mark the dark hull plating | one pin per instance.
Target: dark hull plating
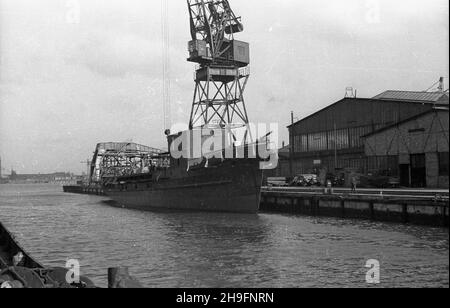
(229, 186)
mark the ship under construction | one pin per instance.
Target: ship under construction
(144, 178)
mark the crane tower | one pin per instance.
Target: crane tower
(222, 71)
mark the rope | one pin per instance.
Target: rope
(432, 87)
(165, 35)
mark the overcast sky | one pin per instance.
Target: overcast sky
(75, 73)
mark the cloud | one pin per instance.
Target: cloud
(118, 54)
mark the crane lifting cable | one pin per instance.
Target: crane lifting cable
(166, 85)
(437, 86)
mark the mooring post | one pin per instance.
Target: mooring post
(405, 212)
(119, 278)
(343, 208)
(315, 206)
(444, 214)
(371, 210)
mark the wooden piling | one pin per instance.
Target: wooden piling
(372, 210)
(120, 278)
(405, 213)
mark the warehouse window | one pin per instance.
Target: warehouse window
(342, 139)
(297, 144)
(317, 142)
(313, 143)
(301, 143)
(304, 144)
(331, 140)
(443, 164)
(338, 139)
(355, 136)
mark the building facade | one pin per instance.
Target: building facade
(331, 140)
(418, 148)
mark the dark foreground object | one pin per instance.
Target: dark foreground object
(420, 210)
(19, 270)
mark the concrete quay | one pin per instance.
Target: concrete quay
(430, 209)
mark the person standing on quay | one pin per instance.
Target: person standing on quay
(354, 183)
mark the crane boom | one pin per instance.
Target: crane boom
(213, 26)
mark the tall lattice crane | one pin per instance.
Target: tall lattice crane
(222, 72)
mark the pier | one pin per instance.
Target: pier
(84, 190)
(424, 207)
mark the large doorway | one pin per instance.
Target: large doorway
(404, 176)
(418, 171)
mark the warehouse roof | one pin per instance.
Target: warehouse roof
(411, 96)
(439, 98)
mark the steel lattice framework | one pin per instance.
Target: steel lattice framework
(223, 73)
(219, 102)
(112, 160)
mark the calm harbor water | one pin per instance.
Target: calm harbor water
(174, 249)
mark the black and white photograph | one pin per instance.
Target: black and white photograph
(224, 151)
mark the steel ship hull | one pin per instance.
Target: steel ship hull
(232, 186)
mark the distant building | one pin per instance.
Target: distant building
(418, 148)
(57, 177)
(282, 169)
(331, 140)
(2, 180)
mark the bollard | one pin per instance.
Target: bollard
(343, 208)
(405, 212)
(119, 278)
(444, 215)
(372, 210)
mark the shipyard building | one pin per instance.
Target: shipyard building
(419, 147)
(355, 136)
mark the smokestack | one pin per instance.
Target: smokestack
(441, 84)
(292, 117)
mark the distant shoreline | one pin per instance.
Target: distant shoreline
(34, 183)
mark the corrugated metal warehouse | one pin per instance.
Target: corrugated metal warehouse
(419, 146)
(330, 140)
